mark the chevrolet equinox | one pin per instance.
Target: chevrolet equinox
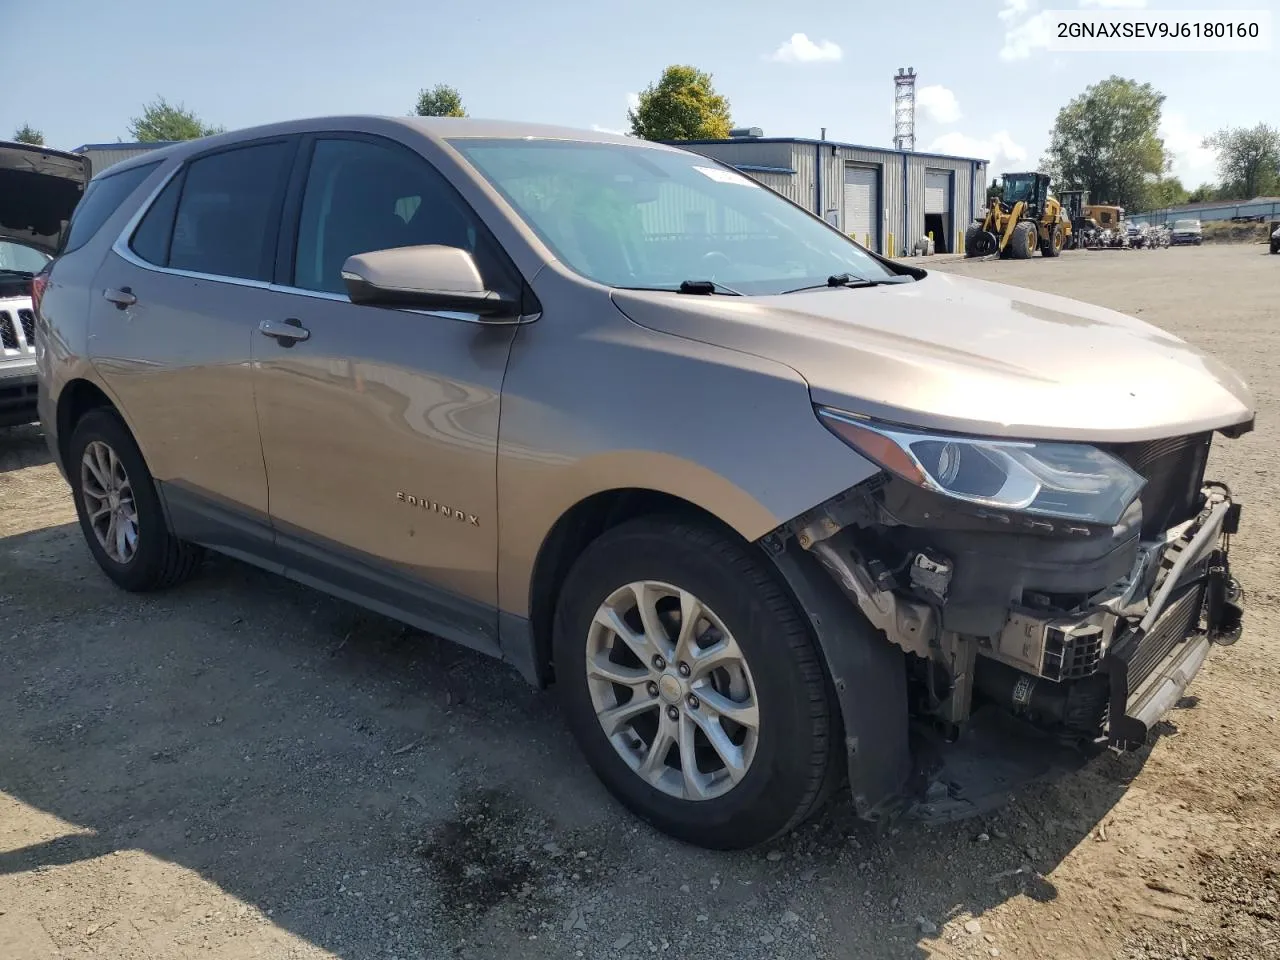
(775, 514)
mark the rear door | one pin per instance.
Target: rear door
(174, 311)
(380, 426)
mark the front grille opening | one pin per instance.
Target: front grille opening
(1174, 470)
(8, 335)
(28, 321)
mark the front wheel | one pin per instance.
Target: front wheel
(692, 685)
(1024, 241)
(119, 508)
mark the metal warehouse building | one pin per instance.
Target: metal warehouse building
(103, 155)
(887, 199)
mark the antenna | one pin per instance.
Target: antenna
(904, 109)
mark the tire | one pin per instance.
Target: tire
(1024, 241)
(792, 761)
(1275, 247)
(156, 559)
(1053, 247)
(971, 241)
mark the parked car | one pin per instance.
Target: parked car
(38, 190)
(1186, 231)
(773, 512)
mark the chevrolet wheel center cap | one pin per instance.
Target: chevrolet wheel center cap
(669, 687)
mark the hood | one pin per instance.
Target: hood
(39, 188)
(971, 356)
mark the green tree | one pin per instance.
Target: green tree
(683, 105)
(1106, 141)
(1163, 192)
(1203, 193)
(162, 121)
(29, 134)
(1248, 160)
(441, 100)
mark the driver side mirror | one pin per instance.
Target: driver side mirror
(429, 277)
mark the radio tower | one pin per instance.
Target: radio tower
(904, 109)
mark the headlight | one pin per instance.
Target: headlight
(1073, 481)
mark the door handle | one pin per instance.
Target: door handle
(122, 298)
(287, 332)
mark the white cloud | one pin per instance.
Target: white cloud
(1192, 163)
(938, 104)
(633, 101)
(1024, 37)
(1027, 30)
(800, 49)
(1013, 9)
(999, 148)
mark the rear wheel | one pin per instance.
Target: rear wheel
(1024, 241)
(119, 509)
(692, 685)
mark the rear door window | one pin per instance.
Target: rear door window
(151, 239)
(228, 213)
(101, 199)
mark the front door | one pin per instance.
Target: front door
(174, 317)
(380, 427)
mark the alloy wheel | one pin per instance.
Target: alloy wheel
(672, 690)
(107, 494)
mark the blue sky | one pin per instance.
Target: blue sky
(987, 86)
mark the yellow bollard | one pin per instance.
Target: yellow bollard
(893, 251)
(866, 240)
(960, 244)
(931, 241)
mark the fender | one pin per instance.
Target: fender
(870, 682)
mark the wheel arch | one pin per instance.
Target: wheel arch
(574, 530)
(77, 398)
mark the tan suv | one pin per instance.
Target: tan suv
(773, 512)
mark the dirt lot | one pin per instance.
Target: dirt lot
(244, 768)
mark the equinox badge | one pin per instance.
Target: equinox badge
(439, 508)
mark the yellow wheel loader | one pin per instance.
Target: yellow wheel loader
(1021, 220)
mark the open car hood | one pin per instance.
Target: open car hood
(39, 188)
(954, 353)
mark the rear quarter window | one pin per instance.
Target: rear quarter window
(101, 199)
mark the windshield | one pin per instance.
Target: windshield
(1186, 225)
(19, 258)
(640, 217)
(1018, 187)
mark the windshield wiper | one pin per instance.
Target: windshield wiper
(849, 280)
(706, 288)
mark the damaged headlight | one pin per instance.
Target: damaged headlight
(1073, 481)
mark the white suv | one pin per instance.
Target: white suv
(39, 188)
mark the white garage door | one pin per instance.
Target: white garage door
(861, 204)
(937, 191)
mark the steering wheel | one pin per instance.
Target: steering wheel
(714, 260)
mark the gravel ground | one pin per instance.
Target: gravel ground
(245, 768)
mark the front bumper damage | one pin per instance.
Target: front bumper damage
(995, 700)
